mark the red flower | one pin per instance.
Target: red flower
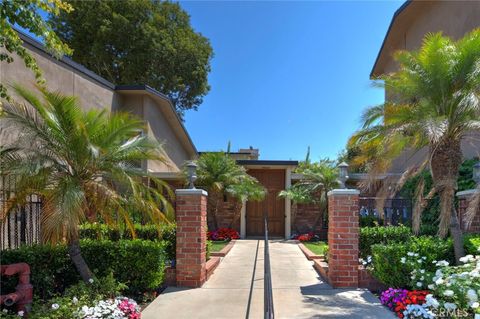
(414, 297)
(223, 234)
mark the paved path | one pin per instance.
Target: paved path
(298, 291)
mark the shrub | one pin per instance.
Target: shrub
(137, 263)
(387, 265)
(166, 233)
(471, 243)
(381, 235)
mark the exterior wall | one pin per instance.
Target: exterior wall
(227, 216)
(453, 18)
(59, 77)
(464, 199)
(160, 129)
(304, 217)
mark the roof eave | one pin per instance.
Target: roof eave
(374, 74)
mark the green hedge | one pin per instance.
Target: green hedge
(370, 236)
(471, 243)
(137, 263)
(166, 233)
(386, 258)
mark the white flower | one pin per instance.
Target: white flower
(75, 300)
(422, 271)
(419, 261)
(466, 259)
(55, 306)
(5, 310)
(410, 253)
(475, 305)
(419, 284)
(448, 293)
(472, 295)
(402, 260)
(90, 280)
(431, 301)
(21, 313)
(431, 286)
(442, 263)
(450, 306)
(439, 281)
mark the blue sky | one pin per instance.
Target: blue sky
(287, 75)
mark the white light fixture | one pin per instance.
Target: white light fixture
(343, 174)
(192, 174)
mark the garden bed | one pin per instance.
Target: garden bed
(221, 248)
(313, 250)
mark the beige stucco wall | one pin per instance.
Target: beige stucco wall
(59, 77)
(453, 18)
(160, 129)
(94, 94)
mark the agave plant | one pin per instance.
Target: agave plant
(220, 175)
(436, 105)
(83, 165)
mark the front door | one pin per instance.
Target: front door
(274, 182)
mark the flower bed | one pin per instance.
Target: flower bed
(446, 291)
(222, 234)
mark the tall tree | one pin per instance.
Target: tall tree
(220, 175)
(26, 14)
(437, 90)
(83, 166)
(140, 42)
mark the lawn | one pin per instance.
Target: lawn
(218, 245)
(317, 247)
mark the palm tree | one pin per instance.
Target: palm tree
(83, 165)
(220, 175)
(437, 103)
(317, 180)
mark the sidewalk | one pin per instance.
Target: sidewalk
(298, 291)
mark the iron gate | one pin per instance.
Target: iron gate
(22, 225)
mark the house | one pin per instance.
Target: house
(410, 23)
(93, 91)
(162, 124)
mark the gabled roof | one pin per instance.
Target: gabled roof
(384, 54)
(173, 115)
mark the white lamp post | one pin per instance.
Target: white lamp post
(343, 174)
(192, 174)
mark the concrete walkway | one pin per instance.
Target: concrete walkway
(235, 290)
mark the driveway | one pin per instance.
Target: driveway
(235, 290)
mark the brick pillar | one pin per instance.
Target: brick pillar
(343, 229)
(464, 198)
(191, 218)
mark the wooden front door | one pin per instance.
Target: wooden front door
(274, 182)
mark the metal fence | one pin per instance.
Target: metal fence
(395, 210)
(22, 225)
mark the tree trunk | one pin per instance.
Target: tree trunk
(237, 212)
(446, 159)
(78, 261)
(212, 209)
(456, 233)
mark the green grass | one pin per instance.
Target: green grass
(218, 245)
(317, 247)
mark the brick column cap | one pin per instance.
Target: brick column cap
(467, 193)
(343, 191)
(191, 191)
